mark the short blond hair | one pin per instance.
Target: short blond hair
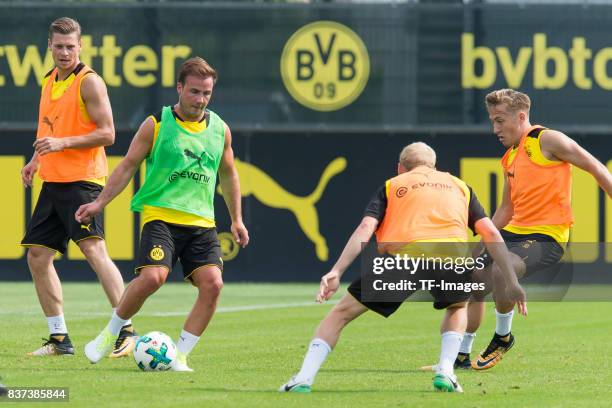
(65, 25)
(515, 100)
(417, 154)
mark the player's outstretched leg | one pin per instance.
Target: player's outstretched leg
(49, 291)
(499, 345)
(208, 279)
(324, 341)
(475, 311)
(146, 283)
(452, 329)
(502, 340)
(109, 276)
(475, 316)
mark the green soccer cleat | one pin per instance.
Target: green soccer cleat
(180, 364)
(96, 349)
(494, 352)
(446, 383)
(293, 386)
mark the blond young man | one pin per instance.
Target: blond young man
(75, 123)
(535, 214)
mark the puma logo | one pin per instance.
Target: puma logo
(50, 123)
(86, 227)
(266, 190)
(197, 158)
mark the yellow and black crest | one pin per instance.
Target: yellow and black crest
(157, 253)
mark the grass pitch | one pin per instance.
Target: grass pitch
(259, 336)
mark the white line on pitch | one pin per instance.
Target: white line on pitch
(228, 309)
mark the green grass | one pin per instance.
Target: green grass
(561, 356)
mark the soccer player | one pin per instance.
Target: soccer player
(535, 214)
(75, 122)
(440, 208)
(184, 145)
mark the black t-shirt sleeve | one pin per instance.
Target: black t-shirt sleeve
(475, 210)
(378, 204)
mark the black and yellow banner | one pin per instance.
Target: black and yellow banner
(325, 65)
(303, 195)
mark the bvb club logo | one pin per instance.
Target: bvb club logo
(325, 66)
(157, 253)
(229, 246)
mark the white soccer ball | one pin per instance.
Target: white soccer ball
(155, 351)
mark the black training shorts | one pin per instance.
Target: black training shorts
(538, 251)
(162, 244)
(442, 298)
(53, 224)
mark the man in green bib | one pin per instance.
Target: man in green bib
(185, 146)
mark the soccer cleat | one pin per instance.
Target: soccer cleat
(293, 386)
(96, 349)
(461, 362)
(446, 383)
(56, 345)
(180, 364)
(125, 342)
(494, 352)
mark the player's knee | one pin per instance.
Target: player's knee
(38, 255)
(342, 314)
(154, 279)
(457, 307)
(92, 248)
(211, 289)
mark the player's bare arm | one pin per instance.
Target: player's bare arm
(331, 281)
(95, 97)
(139, 149)
(557, 146)
(29, 170)
(230, 185)
(504, 212)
